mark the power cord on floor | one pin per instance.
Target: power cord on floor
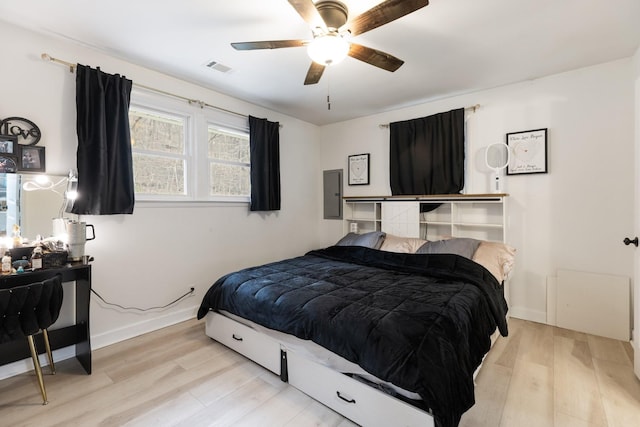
(180, 298)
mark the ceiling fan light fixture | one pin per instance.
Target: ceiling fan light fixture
(329, 49)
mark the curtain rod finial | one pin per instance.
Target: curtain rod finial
(46, 57)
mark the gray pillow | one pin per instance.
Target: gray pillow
(372, 240)
(462, 246)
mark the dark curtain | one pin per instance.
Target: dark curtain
(264, 143)
(105, 166)
(427, 154)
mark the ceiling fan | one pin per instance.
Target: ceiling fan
(332, 30)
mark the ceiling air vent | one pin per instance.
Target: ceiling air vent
(215, 65)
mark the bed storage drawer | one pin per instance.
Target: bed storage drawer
(360, 403)
(246, 341)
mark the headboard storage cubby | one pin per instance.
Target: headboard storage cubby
(479, 216)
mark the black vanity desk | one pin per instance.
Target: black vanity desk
(77, 334)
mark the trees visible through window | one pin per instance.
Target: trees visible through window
(228, 162)
(172, 161)
(158, 147)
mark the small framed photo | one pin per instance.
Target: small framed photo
(8, 144)
(8, 164)
(528, 151)
(31, 158)
(359, 169)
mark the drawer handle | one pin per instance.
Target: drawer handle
(237, 338)
(345, 399)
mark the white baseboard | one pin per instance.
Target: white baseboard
(103, 340)
(528, 314)
(143, 327)
(25, 365)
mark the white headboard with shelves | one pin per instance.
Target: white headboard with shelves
(480, 216)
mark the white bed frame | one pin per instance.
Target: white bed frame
(353, 399)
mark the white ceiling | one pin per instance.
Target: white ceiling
(449, 47)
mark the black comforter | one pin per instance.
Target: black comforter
(421, 322)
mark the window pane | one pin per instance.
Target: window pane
(156, 132)
(158, 175)
(229, 180)
(228, 146)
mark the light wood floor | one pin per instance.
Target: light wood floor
(538, 376)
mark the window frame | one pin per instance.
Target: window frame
(230, 129)
(197, 122)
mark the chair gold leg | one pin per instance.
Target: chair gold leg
(45, 335)
(36, 365)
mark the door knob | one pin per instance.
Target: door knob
(627, 241)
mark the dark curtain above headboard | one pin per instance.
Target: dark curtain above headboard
(264, 143)
(105, 165)
(427, 154)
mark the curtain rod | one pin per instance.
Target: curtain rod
(472, 109)
(202, 104)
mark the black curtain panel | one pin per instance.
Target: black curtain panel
(264, 143)
(427, 154)
(105, 165)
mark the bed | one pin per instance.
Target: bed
(384, 338)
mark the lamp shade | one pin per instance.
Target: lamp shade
(329, 49)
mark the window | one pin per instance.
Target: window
(228, 162)
(184, 153)
(158, 148)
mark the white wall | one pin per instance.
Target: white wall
(155, 255)
(574, 217)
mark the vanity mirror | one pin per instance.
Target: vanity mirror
(31, 204)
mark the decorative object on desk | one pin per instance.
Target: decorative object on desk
(31, 159)
(36, 258)
(8, 164)
(496, 157)
(20, 253)
(6, 263)
(21, 127)
(528, 152)
(54, 259)
(359, 169)
(21, 263)
(77, 237)
(8, 144)
(16, 236)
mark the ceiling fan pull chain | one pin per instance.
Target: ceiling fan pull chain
(329, 90)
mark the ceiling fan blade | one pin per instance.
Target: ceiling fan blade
(375, 57)
(307, 10)
(269, 44)
(314, 74)
(385, 12)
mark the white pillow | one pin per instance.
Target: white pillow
(496, 257)
(407, 245)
